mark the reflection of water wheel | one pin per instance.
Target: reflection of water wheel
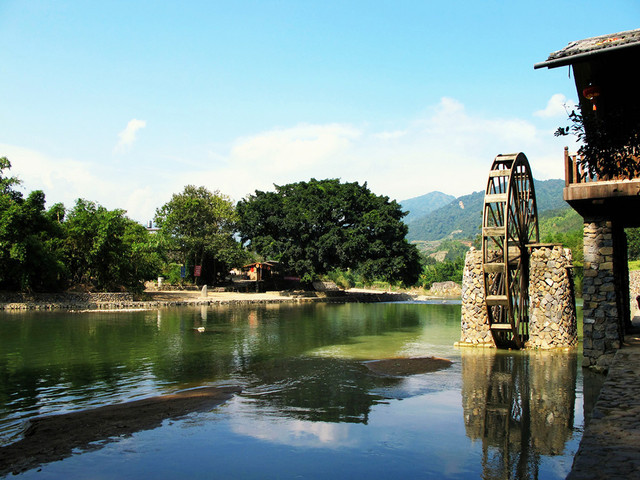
(509, 223)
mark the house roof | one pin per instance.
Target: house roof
(270, 263)
(582, 49)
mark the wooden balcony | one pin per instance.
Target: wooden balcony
(615, 198)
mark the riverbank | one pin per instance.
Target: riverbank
(151, 299)
(609, 446)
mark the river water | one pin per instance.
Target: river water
(309, 407)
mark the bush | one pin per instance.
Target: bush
(442, 272)
(171, 273)
(345, 279)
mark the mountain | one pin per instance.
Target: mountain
(462, 218)
(424, 204)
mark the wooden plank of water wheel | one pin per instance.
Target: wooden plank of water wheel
(509, 223)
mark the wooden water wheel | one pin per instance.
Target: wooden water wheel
(509, 223)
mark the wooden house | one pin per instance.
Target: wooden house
(603, 183)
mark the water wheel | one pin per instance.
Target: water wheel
(509, 223)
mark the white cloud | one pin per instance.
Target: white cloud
(61, 177)
(447, 149)
(390, 135)
(65, 180)
(558, 106)
(299, 147)
(128, 135)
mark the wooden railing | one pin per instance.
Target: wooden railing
(576, 171)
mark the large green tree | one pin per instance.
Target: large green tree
(198, 226)
(317, 226)
(29, 239)
(106, 250)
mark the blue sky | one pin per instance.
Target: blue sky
(126, 102)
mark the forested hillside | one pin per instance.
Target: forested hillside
(424, 204)
(462, 218)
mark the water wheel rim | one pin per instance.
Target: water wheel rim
(510, 204)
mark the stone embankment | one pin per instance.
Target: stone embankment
(66, 301)
(163, 299)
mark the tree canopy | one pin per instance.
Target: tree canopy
(29, 237)
(107, 250)
(321, 225)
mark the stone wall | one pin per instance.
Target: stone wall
(475, 321)
(552, 314)
(552, 306)
(64, 301)
(602, 325)
(445, 289)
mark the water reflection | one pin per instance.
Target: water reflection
(306, 391)
(60, 362)
(316, 389)
(520, 406)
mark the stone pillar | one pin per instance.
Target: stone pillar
(552, 306)
(603, 324)
(475, 321)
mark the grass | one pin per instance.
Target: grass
(634, 265)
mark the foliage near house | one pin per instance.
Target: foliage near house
(197, 226)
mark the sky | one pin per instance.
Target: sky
(126, 102)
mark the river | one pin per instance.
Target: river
(309, 408)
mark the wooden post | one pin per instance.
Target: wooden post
(567, 168)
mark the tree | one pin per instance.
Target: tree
(199, 226)
(29, 239)
(106, 250)
(321, 225)
(7, 183)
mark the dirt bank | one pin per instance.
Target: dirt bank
(400, 367)
(54, 437)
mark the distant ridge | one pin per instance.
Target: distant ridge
(462, 217)
(424, 204)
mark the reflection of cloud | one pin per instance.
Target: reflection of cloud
(287, 431)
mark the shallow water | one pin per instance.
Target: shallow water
(309, 407)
